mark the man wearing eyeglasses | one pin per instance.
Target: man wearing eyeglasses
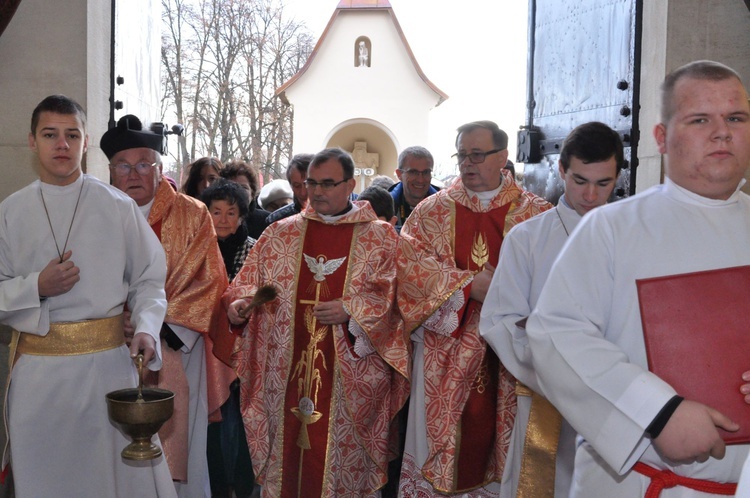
(463, 401)
(414, 173)
(296, 173)
(324, 366)
(196, 279)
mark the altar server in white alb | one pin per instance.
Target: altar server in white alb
(590, 161)
(73, 252)
(585, 334)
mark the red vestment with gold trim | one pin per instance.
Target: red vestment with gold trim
(469, 397)
(317, 400)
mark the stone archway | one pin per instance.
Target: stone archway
(373, 146)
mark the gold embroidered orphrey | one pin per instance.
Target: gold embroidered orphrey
(480, 252)
(309, 379)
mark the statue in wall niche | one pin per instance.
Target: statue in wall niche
(363, 159)
(363, 54)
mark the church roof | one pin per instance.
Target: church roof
(363, 5)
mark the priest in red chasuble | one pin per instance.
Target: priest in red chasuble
(463, 402)
(324, 366)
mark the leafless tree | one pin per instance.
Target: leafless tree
(223, 60)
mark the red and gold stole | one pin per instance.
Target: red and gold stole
(323, 272)
(479, 236)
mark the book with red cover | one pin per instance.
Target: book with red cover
(697, 336)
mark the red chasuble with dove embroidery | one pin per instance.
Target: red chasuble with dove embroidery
(318, 401)
(307, 409)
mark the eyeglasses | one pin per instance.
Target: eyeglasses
(123, 169)
(427, 173)
(325, 185)
(474, 157)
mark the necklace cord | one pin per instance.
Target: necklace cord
(70, 228)
(561, 221)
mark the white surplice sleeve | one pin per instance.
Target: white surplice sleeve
(608, 399)
(507, 303)
(20, 304)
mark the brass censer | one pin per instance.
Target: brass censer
(139, 413)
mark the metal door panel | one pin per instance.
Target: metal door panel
(583, 67)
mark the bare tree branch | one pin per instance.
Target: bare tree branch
(223, 60)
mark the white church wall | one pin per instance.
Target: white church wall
(333, 90)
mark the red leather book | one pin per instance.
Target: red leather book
(697, 334)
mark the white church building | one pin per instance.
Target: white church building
(362, 90)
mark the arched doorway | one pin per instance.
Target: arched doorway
(373, 146)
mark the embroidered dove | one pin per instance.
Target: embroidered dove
(321, 267)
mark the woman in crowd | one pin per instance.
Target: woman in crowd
(230, 468)
(201, 174)
(244, 174)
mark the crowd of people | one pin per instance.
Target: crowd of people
(415, 340)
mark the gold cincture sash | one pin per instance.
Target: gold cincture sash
(75, 338)
(537, 478)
